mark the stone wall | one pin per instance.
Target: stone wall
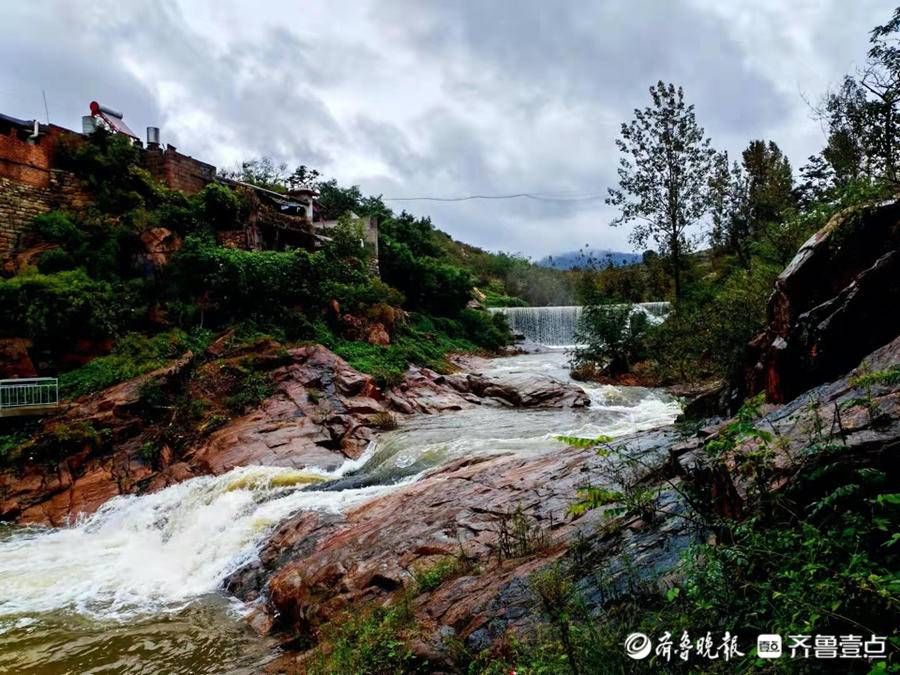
(20, 202)
(29, 185)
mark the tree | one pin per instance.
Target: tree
(861, 117)
(747, 197)
(663, 175)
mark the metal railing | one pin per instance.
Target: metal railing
(22, 395)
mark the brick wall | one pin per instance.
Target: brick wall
(179, 172)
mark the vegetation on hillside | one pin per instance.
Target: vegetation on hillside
(94, 287)
(753, 216)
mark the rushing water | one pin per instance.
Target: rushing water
(135, 586)
(556, 326)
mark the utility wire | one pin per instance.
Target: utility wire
(518, 195)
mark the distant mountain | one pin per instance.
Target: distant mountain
(602, 257)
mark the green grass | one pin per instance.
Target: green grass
(9, 442)
(133, 355)
(431, 577)
(887, 377)
(424, 342)
(369, 641)
(494, 299)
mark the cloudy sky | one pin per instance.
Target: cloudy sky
(443, 98)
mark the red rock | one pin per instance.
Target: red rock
(378, 335)
(832, 305)
(14, 358)
(159, 244)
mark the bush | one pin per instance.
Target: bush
(370, 641)
(232, 283)
(612, 337)
(55, 309)
(424, 341)
(428, 283)
(706, 335)
(219, 207)
(133, 355)
(252, 390)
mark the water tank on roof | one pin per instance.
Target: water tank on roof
(88, 124)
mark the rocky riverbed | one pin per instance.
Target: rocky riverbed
(232, 516)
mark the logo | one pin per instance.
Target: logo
(637, 646)
(768, 646)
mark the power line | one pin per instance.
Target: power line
(519, 195)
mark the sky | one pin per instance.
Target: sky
(442, 98)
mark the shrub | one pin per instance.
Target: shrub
(219, 207)
(59, 228)
(707, 333)
(612, 337)
(133, 355)
(369, 641)
(54, 309)
(252, 390)
(429, 578)
(429, 284)
(489, 331)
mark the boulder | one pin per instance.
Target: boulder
(378, 335)
(834, 303)
(159, 244)
(14, 358)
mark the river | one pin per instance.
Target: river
(135, 587)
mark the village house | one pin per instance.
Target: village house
(33, 182)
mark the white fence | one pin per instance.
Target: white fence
(24, 396)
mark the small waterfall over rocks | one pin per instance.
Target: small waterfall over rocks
(556, 326)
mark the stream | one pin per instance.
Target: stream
(135, 586)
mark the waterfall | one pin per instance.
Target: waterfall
(556, 326)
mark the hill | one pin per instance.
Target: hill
(595, 256)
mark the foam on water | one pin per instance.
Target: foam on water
(156, 552)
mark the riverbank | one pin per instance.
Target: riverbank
(161, 554)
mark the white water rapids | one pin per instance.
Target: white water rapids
(140, 554)
(161, 554)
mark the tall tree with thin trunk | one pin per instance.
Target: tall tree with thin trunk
(663, 175)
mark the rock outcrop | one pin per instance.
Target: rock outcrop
(321, 411)
(14, 358)
(323, 565)
(316, 567)
(833, 304)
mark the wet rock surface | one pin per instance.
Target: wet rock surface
(834, 303)
(371, 553)
(321, 412)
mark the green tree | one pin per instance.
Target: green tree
(747, 197)
(663, 175)
(861, 117)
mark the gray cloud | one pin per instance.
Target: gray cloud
(409, 98)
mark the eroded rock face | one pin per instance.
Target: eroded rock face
(160, 244)
(323, 566)
(834, 303)
(319, 567)
(14, 358)
(321, 413)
